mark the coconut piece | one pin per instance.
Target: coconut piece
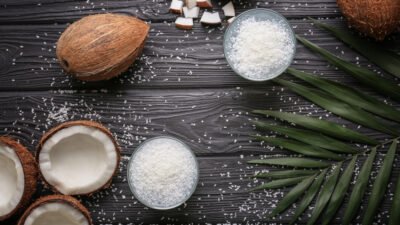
(56, 209)
(101, 46)
(204, 4)
(18, 177)
(191, 13)
(190, 3)
(176, 6)
(78, 157)
(229, 9)
(230, 20)
(184, 23)
(210, 18)
(376, 19)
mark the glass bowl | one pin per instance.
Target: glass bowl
(132, 186)
(259, 15)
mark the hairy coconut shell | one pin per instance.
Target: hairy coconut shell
(102, 46)
(30, 169)
(375, 18)
(57, 198)
(87, 123)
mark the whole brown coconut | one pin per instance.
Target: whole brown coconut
(30, 172)
(375, 18)
(74, 204)
(102, 46)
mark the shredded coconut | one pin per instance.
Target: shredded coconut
(163, 173)
(261, 48)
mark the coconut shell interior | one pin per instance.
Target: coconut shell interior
(30, 170)
(99, 47)
(57, 198)
(88, 123)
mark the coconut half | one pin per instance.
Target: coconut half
(56, 209)
(18, 177)
(78, 157)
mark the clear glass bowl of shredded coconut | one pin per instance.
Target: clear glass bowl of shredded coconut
(259, 44)
(163, 173)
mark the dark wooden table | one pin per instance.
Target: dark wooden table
(181, 86)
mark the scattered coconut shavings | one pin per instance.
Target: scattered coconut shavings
(260, 48)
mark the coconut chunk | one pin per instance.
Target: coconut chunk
(229, 9)
(176, 6)
(184, 23)
(210, 18)
(190, 3)
(191, 13)
(56, 209)
(18, 177)
(204, 4)
(78, 157)
(230, 20)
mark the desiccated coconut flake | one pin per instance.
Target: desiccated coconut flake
(260, 48)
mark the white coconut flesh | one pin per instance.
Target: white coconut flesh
(11, 180)
(56, 213)
(78, 160)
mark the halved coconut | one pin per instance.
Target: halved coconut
(210, 18)
(184, 23)
(18, 177)
(229, 9)
(191, 12)
(56, 209)
(176, 6)
(78, 157)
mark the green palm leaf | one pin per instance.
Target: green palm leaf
(380, 185)
(323, 126)
(349, 95)
(338, 107)
(359, 189)
(309, 137)
(387, 60)
(394, 211)
(292, 196)
(339, 193)
(292, 162)
(301, 148)
(280, 183)
(325, 194)
(285, 174)
(366, 76)
(309, 196)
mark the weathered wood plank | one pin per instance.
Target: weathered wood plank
(172, 58)
(214, 122)
(50, 11)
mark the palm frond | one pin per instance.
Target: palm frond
(323, 140)
(365, 76)
(309, 137)
(323, 126)
(280, 183)
(349, 95)
(380, 185)
(387, 60)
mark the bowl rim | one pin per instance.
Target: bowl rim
(291, 31)
(131, 185)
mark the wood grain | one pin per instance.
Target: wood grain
(181, 86)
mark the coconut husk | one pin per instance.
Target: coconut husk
(30, 171)
(102, 46)
(57, 198)
(88, 123)
(375, 18)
